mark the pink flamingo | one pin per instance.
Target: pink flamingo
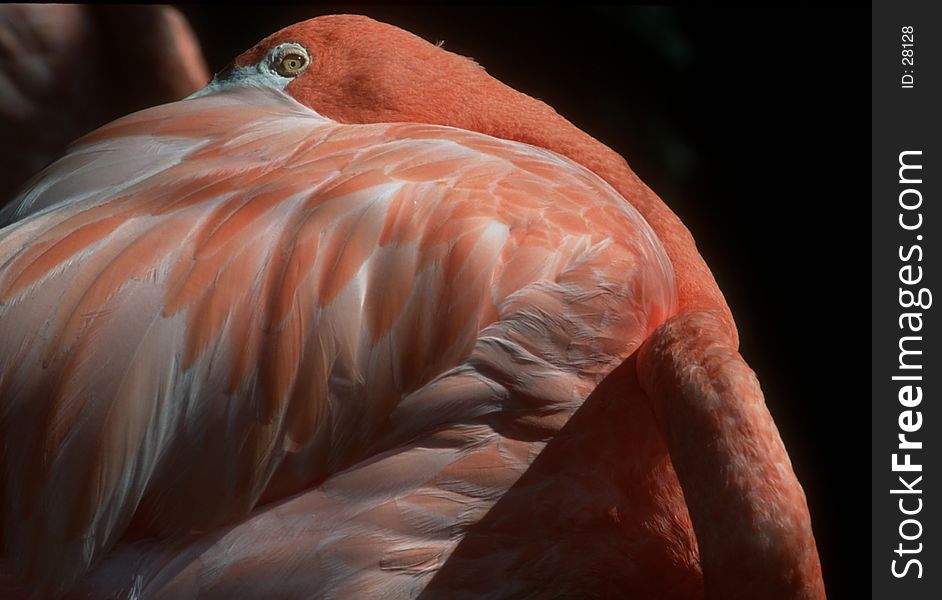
(358, 320)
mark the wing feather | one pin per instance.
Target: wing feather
(198, 309)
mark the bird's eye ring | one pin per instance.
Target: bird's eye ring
(290, 61)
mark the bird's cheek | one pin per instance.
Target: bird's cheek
(305, 90)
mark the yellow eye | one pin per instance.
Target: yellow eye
(292, 63)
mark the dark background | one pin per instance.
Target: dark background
(753, 126)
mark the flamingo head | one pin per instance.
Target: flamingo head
(352, 69)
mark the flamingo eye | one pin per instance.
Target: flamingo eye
(290, 60)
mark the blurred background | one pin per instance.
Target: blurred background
(750, 124)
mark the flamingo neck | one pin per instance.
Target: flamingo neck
(747, 507)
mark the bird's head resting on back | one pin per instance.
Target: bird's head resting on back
(352, 69)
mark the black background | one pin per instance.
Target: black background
(752, 125)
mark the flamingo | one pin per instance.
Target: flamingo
(68, 69)
(357, 320)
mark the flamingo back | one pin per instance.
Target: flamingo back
(231, 299)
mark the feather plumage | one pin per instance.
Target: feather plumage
(206, 302)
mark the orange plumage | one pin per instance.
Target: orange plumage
(381, 327)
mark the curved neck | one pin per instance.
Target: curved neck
(747, 507)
